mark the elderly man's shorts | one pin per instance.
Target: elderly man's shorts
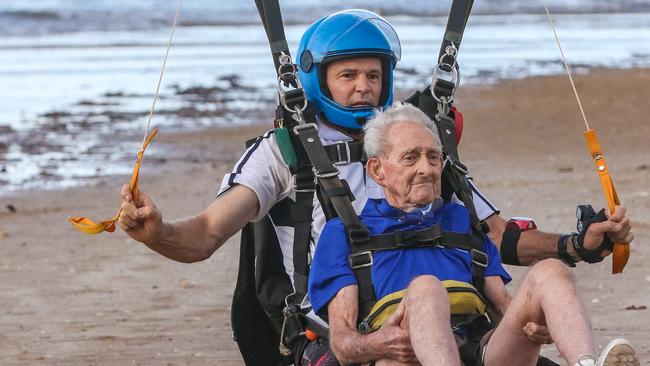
(318, 352)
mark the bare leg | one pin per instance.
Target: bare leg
(547, 295)
(427, 320)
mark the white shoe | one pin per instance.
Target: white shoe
(619, 352)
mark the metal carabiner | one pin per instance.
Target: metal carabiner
(446, 64)
(454, 79)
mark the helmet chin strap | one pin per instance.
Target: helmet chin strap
(356, 135)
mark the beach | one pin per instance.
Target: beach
(72, 299)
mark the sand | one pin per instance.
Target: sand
(72, 299)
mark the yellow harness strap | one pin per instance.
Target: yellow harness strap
(88, 226)
(463, 300)
(621, 252)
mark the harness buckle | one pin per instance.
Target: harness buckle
(360, 260)
(304, 186)
(348, 155)
(305, 126)
(308, 190)
(326, 175)
(479, 258)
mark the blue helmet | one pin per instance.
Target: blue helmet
(346, 34)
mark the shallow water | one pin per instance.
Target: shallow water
(68, 91)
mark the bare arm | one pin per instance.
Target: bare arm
(350, 346)
(536, 245)
(496, 293)
(193, 239)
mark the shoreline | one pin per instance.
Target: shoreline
(73, 299)
(88, 148)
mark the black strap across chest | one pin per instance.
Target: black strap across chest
(432, 236)
(346, 152)
(361, 257)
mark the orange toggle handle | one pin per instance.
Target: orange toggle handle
(88, 226)
(621, 252)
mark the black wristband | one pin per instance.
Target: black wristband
(562, 252)
(509, 242)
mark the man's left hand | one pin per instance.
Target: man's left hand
(617, 227)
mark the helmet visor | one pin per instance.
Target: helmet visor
(364, 33)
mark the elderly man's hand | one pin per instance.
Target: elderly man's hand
(396, 343)
(617, 227)
(538, 333)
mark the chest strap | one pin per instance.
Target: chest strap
(361, 260)
(432, 236)
(346, 152)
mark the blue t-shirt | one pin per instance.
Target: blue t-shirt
(393, 270)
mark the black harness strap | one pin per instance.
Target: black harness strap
(335, 189)
(346, 152)
(457, 178)
(437, 107)
(326, 172)
(433, 236)
(301, 217)
(271, 17)
(456, 22)
(458, 15)
(361, 261)
(292, 110)
(305, 184)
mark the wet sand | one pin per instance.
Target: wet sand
(72, 299)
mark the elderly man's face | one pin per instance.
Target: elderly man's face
(410, 168)
(355, 82)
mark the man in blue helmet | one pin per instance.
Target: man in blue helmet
(346, 63)
(348, 38)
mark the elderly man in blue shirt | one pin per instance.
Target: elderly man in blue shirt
(405, 159)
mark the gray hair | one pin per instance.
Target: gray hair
(376, 139)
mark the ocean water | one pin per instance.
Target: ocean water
(74, 74)
(48, 16)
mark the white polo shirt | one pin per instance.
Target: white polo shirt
(263, 170)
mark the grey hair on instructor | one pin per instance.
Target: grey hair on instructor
(375, 131)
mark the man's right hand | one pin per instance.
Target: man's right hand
(396, 344)
(141, 219)
(195, 238)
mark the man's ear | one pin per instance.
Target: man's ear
(374, 169)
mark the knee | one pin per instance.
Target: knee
(426, 285)
(549, 272)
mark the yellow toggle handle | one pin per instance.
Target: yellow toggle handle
(88, 226)
(621, 252)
